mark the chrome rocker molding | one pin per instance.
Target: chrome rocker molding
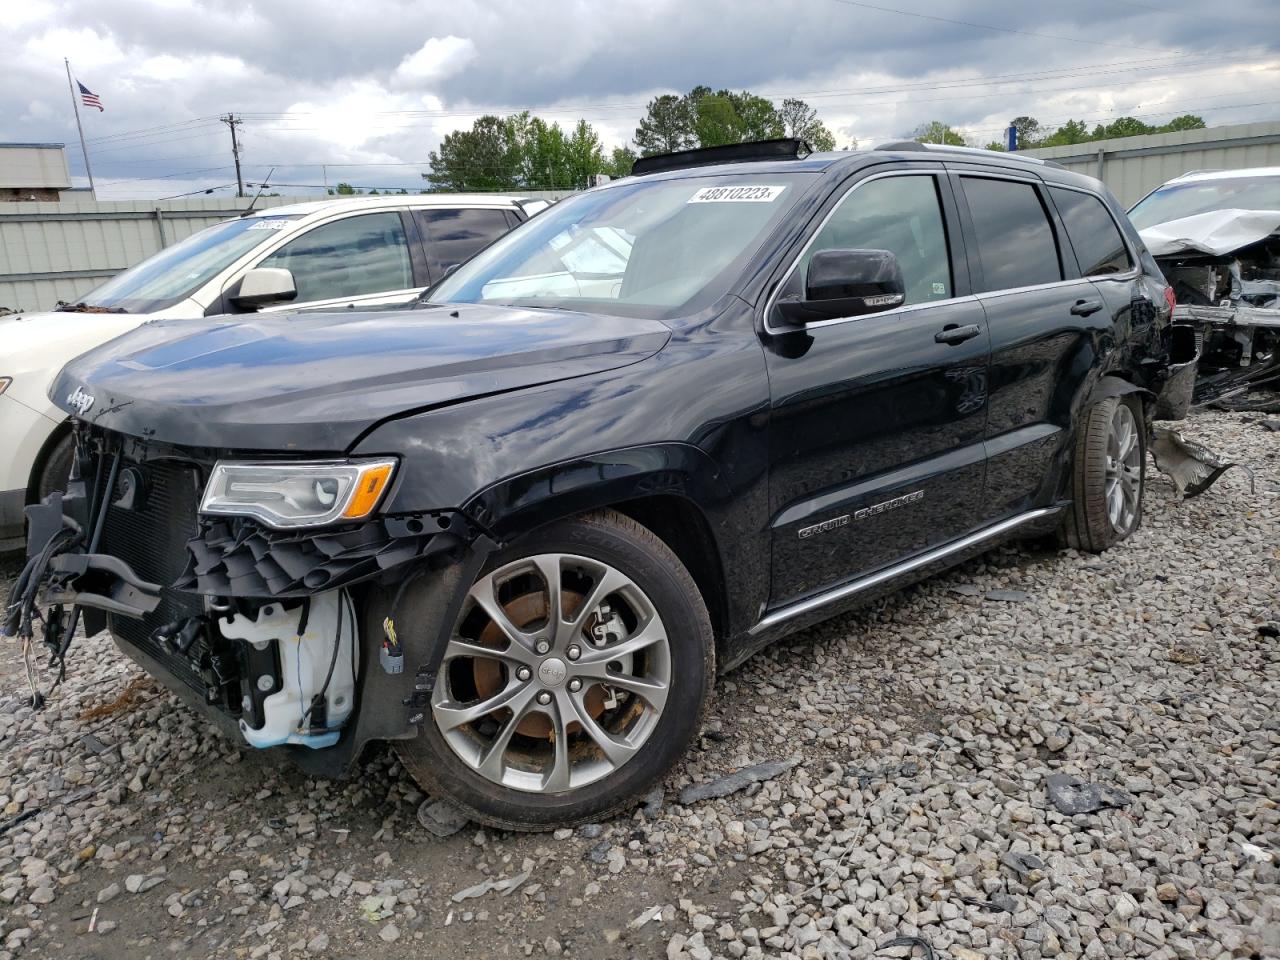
(844, 591)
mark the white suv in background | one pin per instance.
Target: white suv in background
(357, 252)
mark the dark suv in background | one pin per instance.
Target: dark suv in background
(517, 528)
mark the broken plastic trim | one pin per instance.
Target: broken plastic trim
(1192, 468)
(243, 558)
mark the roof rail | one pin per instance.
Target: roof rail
(783, 148)
(900, 145)
(914, 145)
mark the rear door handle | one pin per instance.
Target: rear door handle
(1084, 308)
(953, 333)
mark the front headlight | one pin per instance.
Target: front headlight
(298, 494)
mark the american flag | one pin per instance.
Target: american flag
(88, 97)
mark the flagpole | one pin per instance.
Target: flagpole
(75, 105)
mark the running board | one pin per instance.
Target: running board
(843, 592)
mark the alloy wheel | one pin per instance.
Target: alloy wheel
(1123, 485)
(556, 673)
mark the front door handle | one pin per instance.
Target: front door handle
(1085, 308)
(953, 333)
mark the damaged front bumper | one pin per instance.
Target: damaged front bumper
(286, 639)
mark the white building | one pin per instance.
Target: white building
(33, 171)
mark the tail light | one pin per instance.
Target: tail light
(1170, 298)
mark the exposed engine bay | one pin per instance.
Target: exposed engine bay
(279, 664)
(1225, 271)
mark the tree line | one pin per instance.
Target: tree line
(524, 152)
(1032, 134)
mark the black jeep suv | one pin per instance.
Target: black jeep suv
(516, 528)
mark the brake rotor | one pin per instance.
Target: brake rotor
(489, 675)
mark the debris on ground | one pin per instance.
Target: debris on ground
(504, 886)
(129, 698)
(1071, 795)
(440, 819)
(734, 782)
(1192, 467)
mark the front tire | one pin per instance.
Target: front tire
(1108, 476)
(56, 470)
(576, 676)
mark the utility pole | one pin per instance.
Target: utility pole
(232, 121)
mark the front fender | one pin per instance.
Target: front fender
(518, 504)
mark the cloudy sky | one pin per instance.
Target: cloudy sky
(363, 91)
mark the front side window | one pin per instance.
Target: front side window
(354, 257)
(1099, 247)
(1015, 239)
(454, 236)
(902, 215)
(653, 248)
(177, 272)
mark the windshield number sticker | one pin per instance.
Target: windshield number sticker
(740, 194)
(276, 224)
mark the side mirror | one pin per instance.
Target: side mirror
(265, 286)
(847, 283)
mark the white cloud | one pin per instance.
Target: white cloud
(438, 58)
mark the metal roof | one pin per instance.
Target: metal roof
(1227, 174)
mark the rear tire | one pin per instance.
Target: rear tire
(583, 729)
(1108, 475)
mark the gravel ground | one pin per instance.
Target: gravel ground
(923, 731)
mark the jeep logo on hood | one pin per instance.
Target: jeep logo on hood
(79, 401)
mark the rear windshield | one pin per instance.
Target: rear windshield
(1177, 200)
(647, 248)
(176, 272)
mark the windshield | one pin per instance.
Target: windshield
(176, 272)
(654, 249)
(1178, 200)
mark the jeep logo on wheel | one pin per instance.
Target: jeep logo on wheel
(80, 401)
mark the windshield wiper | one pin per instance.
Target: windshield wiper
(64, 307)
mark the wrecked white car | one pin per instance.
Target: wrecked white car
(1216, 236)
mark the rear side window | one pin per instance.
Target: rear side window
(455, 235)
(1015, 239)
(898, 214)
(1094, 235)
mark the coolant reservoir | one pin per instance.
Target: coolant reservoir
(305, 660)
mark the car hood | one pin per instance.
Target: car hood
(316, 381)
(1217, 232)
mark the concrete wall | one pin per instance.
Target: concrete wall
(1134, 166)
(61, 251)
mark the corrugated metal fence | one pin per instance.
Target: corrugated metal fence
(51, 251)
(1134, 166)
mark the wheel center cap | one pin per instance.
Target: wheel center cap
(552, 672)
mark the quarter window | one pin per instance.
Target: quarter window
(347, 258)
(455, 235)
(1097, 241)
(1014, 235)
(902, 215)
